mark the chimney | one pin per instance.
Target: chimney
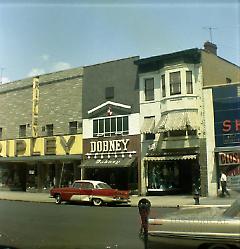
(210, 47)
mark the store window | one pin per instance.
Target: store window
(149, 89)
(73, 127)
(49, 129)
(22, 131)
(112, 126)
(175, 83)
(163, 85)
(189, 83)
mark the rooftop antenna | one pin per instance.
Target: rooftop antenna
(2, 68)
(210, 32)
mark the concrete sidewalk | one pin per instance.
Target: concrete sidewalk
(156, 201)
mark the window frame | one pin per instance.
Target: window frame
(163, 85)
(118, 125)
(149, 89)
(175, 84)
(189, 84)
(22, 131)
(49, 130)
(73, 129)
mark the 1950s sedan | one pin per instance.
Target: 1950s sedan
(95, 192)
(202, 228)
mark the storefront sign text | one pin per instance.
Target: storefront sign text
(109, 146)
(226, 158)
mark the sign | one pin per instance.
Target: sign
(229, 158)
(109, 146)
(226, 102)
(56, 145)
(35, 103)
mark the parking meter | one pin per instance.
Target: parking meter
(144, 206)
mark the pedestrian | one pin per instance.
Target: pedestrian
(223, 180)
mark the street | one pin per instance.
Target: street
(27, 225)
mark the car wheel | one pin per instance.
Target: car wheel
(218, 246)
(58, 199)
(97, 202)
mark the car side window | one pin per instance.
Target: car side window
(76, 185)
(86, 185)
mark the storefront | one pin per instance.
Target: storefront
(226, 104)
(172, 174)
(41, 163)
(112, 160)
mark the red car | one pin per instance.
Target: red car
(95, 192)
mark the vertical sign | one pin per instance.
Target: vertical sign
(35, 102)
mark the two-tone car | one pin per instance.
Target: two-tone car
(200, 227)
(89, 191)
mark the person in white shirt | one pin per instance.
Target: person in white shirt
(223, 180)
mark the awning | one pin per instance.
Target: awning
(107, 163)
(186, 120)
(41, 158)
(148, 125)
(171, 158)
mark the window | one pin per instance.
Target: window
(22, 130)
(73, 127)
(175, 83)
(189, 83)
(109, 92)
(149, 89)
(1, 132)
(149, 136)
(163, 85)
(228, 80)
(49, 129)
(110, 126)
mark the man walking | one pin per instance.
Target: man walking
(223, 181)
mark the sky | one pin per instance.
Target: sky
(38, 37)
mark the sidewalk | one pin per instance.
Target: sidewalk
(156, 201)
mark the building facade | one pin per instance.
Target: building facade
(224, 132)
(111, 134)
(175, 156)
(41, 131)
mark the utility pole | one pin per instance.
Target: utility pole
(210, 32)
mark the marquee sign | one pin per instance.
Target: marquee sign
(35, 103)
(56, 145)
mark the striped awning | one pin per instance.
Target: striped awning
(148, 125)
(171, 158)
(185, 120)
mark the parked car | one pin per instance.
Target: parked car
(202, 228)
(95, 192)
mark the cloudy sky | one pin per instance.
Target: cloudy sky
(38, 37)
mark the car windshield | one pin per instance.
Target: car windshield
(102, 185)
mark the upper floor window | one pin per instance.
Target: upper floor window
(163, 85)
(109, 92)
(189, 83)
(22, 130)
(1, 132)
(149, 89)
(49, 129)
(175, 83)
(110, 126)
(73, 127)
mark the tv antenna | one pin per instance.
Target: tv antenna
(210, 29)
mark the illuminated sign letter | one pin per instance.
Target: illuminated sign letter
(20, 147)
(50, 146)
(67, 145)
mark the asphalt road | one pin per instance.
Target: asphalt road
(27, 225)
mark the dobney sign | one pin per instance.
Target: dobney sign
(226, 102)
